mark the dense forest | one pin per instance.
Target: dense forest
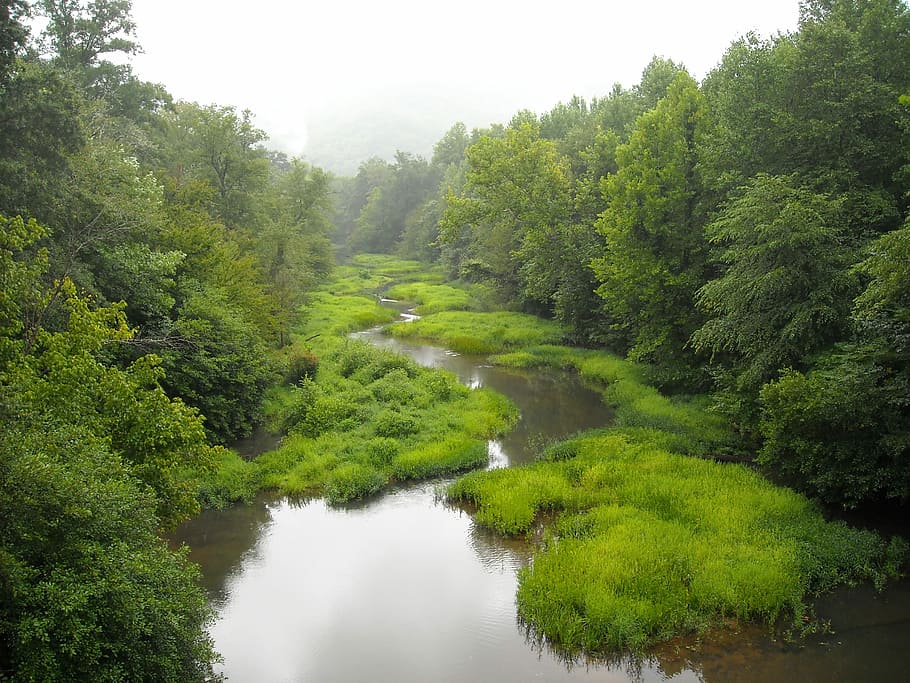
(746, 237)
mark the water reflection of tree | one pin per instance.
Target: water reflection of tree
(636, 667)
(219, 540)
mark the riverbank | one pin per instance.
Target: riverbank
(641, 542)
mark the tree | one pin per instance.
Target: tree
(785, 291)
(840, 431)
(91, 471)
(293, 246)
(13, 34)
(81, 32)
(655, 256)
(390, 205)
(219, 146)
(515, 203)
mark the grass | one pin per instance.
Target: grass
(650, 543)
(481, 333)
(430, 297)
(637, 404)
(373, 418)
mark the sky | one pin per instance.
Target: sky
(294, 62)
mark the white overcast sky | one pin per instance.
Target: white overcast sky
(285, 59)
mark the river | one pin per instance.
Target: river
(403, 587)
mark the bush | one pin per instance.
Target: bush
(301, 365)
(391, 423)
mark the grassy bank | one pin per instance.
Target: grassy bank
(357, 418)
(649, 543)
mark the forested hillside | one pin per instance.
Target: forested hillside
(746, 236)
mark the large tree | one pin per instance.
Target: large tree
(785, 290)
(655, 256)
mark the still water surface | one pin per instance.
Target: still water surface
(406, 588)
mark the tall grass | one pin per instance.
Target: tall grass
(651, 543)
(432, 298)
(481, 333)
(373, 417)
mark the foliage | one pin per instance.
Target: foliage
(840, 430)
(91, 593)
(516, 202)
(220, 366)
(785, 291)
(655, 258)
(91, 471)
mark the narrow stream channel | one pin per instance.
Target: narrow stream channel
(405, 588)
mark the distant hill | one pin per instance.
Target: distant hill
(378, 125)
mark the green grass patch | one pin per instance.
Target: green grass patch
(231, 480)
(481, 333)
(432, 298)
(373, 417)
(637, 404)
(650, 543)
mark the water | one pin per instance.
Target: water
(405, 588)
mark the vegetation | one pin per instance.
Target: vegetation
(730, 257)
(650, 543)
(729, 236)
(372, 417)
(480, 333)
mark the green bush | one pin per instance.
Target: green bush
(391, 423)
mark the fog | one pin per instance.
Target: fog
(324, 75)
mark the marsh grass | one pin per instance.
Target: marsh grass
(481, 333)
(650, 543)
(371, 418)
(430, 297)
(637, 404)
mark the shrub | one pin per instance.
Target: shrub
(302, 364)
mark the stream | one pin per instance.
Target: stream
(404, 587)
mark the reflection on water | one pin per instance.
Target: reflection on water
(406, 588)
(402, 589)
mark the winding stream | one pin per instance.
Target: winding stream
(406, 588)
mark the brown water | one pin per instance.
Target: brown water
(406, 588)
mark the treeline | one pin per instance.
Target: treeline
(747, 235)
(152, 256)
